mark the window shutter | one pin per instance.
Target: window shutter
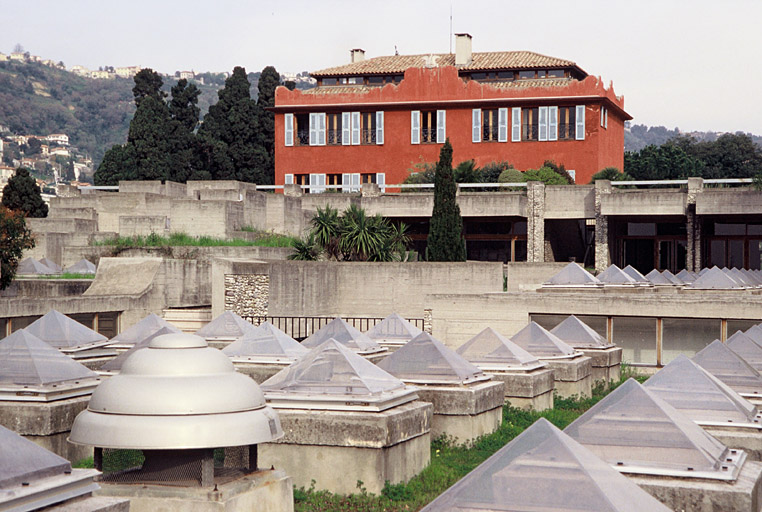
(346, 127)
(321, 130)
(476, 125)
(355, 182)
(289, 179)
(543, 123)
(606, 119)
(552, 123)
(502, 125)
(381, 181)
(321, 182)
(415, 127)
(516, 124)
(313, 129)
(289, 125)
(602, 110)
(345, 183)
(313, 184)
(441, 126)
(580, 135)
(355, 128)
(380, 127)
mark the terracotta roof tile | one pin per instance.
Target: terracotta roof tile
(480, 61)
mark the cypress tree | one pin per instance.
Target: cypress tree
(23, 194)
(445, 241)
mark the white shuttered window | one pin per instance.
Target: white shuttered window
(345, 128)
(552, 123)
(381, 181)
(317, 183)
(317, 129)
(355, 128)
(476, 125)
(289, 125)
(441, 129)
(415, 127)
(580, 117)
(502, 125)
(289, 179)
(379, 127)
(543, 122)
(516, 124)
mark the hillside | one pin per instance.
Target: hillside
(638, 136)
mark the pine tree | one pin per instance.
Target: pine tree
(183, 107)
(23, 194)
(445, 241)
(14, 238)
(269, 80)
(147, 83)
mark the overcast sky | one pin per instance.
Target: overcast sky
(692, 64)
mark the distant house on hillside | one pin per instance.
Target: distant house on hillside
(59, 138)
(3, 57)
(80, 70)
(59, 152)
(17, 56)
(127, 71)
(102, 75)
(187, 75)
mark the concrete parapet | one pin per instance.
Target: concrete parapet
(371, 190)
(259, 372)
(528, 390)
(270, 490)
(374, 447)
(293, 190)
(701, 495)
(142, 225)
(41, 418)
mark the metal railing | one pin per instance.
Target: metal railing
(301, 327)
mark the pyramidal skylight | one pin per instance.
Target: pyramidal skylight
(635, 274)
(426, 360)
(339, 330)
(755, 332)
(672, 278)
(701, 396)
(82, 267)
(541, 343)
(491, 351)
(715, 279)
(573, 275)
(616, 276)
(543, 469)
(751, 276)
(393, 328)
(143, 329)
(115, 364)
(52, 265)
(740, 277)
(331, 376)
(747, 348)
(64, 333)
(227, 326)
(266, 344)
(719, 360)
(657, 278)
(31, 266)
(27, 362)
(577, 334)
(637, 432)
(686, 276)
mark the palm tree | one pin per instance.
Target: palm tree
(362, 236)
(326, 229)
(305, 249)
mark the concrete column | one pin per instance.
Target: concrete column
(535, 221)
(427, 317)
(293, 190)
(602, 252)
(693, 226)
(370, 190)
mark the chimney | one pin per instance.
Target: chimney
(462, 49)
(357, 55)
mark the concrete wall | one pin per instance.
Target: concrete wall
(529, 276)
(142, 225)
(356, 289)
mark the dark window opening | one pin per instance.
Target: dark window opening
(429, 127)
(530, 127)
(490, 125)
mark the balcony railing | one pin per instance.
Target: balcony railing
(489, 134)
(369, 136)
(303, 138)
(429, 135)
(334, 138)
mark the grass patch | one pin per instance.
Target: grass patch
(450, 462)
(66, 275)
(182, 239)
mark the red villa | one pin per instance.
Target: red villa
(373, 119)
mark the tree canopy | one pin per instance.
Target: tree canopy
(23, 194)
(15, 237)
(445, 241)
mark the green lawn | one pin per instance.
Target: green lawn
(182, 239)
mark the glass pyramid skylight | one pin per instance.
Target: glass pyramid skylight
(541, 343)
(633, 273)
(52, 265)
(755, 332)
(577, 334)
(657, 278)
(426, 360)
(25, 461)
(739, 276)
(394, 330)
(616, 276)
(32, 370)
(115, 365)
(82, 267)
(573, 275)
(637, 432)
(265, 344)
(719, 360)
(672, 278)
(715, 279)
(31, 266)
(747, 348)
(752, 277)
(701, 396)
(227, 326)
(64, 333)
(333, 377)
(686, 276)
(339, 330)
(544, 470)
(142, 330)
(490, 351)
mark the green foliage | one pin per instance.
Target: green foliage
(147, 85)
(269, 80)
(23, 194)
(445, 241)
(560, 170)
(611, 174)
(15, 237)
(466, 172)
(511, 176)
(305, 249)
(182, 239)
(666, 162)
(183, 107)
(490, 173)
(546, 175)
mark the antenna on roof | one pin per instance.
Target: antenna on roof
(395, 50)
(450, 34)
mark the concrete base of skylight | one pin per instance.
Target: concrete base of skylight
(92, 504)
(262, 491)
(391, 346)
(338, 448)
(465, 412)
(740, 438)
(606, 364)
(260, 372)
(47, 424)
(702, 495)
(376, 357)
(527, 390)
(573, 377)
(94, 358)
